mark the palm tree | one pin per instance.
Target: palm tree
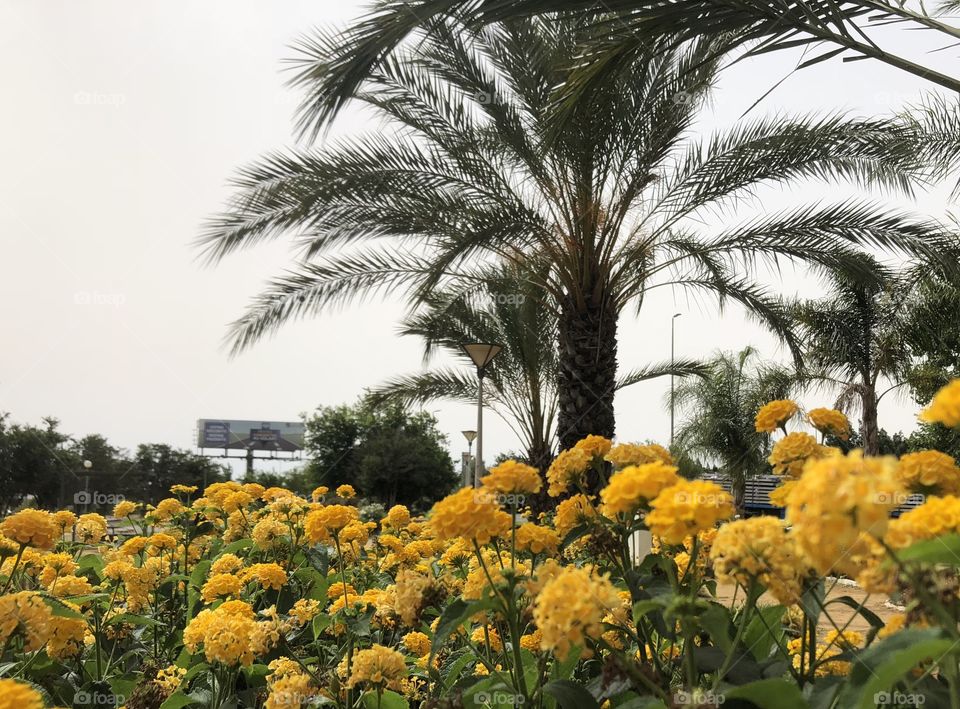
(521, 384)
(858, 339)
(719, 429)
(622, 33)
(469, 173)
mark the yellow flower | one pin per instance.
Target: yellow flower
(268, 533)
(759, 549)
(55, 566)
(536, 539)
(945, 407)
(936, 517)
(567, 470)
(30, 527)
(319, 492)
(778, 496)
(512, 477)
(929, 472)
(469, 514)
(571, 513)
(183, 489)
(417, 643)
(625, 454)
(411, 592)
(594, 446)
(25, 614)
(291, 691)
(64, 519)
(169, 678)
(634, 486)
(91, 528)
(124, 508)
(791, 452)
(830, 422)
(167, 508)
(268, 575)
(378, 666)
(304, 610)
(329, 520)
(775, 415)
(397, 518)
(570, 609)
(836, 500)
(687, 508)
(220, 586)
(67, 635)
(346, 492)
(18, 695)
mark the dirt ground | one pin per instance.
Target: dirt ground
(840, 613)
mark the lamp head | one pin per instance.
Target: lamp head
(482, 353)
(469, 435)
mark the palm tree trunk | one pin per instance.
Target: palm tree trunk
(738, 488)
(588, 369)
(869, 428)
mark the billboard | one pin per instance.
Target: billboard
(245, 435)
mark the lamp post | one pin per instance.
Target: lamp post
(470, 436)
(673, 322)
(481, 354)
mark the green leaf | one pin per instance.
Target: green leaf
(61, 609)
(941, 550)
(769, 694)
(642, 608)
(881, 665)
(758, 636)
(570, 695)
(716, 621)
(199, 573)
(320, 623)
(177, 700)
(574, 534)
(389, 700)
(234, 547)
(453, 616)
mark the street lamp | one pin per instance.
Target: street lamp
(470, 436)
(673, 321)
(482, 354)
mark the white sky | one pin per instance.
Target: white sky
(121, 124)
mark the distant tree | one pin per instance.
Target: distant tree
(932, 331)
(385, 451)
(298, 480)
(718, 430)
(36, 462)
(158, 466)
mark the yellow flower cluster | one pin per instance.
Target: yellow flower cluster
(571, 513)
(791, 452)
(378, 666)
(759, 549)
(945, 407)
(835, 501)
(469, 514)
(29, 527)
(929, 472)
(329, 520)
(397, 518)
(18, 695)
(830, 422)
(635, 486)
(513, 477)
(229, 634)
(567, 470)
(25, 614)
(570, 608)
(935, 517)
(624, 454)
(536, 539)
(687, 508)
(775, 415)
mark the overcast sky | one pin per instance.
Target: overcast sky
(121, 125)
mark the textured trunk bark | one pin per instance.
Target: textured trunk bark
(588, 369)
(738, 487)
(869, 428)
(540, 456)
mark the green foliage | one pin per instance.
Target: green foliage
(385, 451)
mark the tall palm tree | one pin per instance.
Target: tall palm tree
(857, 338)
(468, 173)
(721, 407)
(622, 30)
(521, 384)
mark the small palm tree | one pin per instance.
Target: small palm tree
(521, 384)
(719, 429)
(469, 172)
(857, 339)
